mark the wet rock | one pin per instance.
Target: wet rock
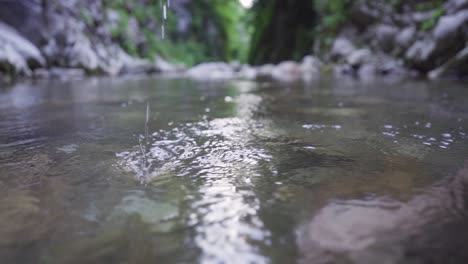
(342, 48)
(11, 62)
(288, 71)
(137, 66)
(82, 55)
(419, 54)
(212, 71)
(248, 72)
(389, 66)
(367, 72)
(265, 72)
(59, 73)
(453, 6)
(386, 35)
(164, 66)
(151, 212)
(450, 27)
(341, 70)
(362, 14)
(455, 68)
(17, 51)
(405, 38)
(310, 68)
(359, 57)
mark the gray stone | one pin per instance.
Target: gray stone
(11, 61)
(132, 32)
(212, 71)
(265, 72)
(287, 71)
(453, 6)
(419, 54)
(405, 38)
(82, 55)
(248, 72)
(342, 48)
(164, 66)
(359, 57)
(367, 72)
(453, 68)
(449, 27)
(23, 47)
(386, 35)
(310, 68)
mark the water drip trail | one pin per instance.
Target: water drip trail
(145, 148)
(163, 23)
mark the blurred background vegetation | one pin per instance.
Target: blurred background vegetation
(269, 32)
(195, 31)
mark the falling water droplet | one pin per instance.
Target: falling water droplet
(162, 32)
(164, 12)
(168, 3)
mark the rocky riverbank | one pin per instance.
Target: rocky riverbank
(51, 39)
(426, 38)
(54, 39)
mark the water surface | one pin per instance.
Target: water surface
(336, 171)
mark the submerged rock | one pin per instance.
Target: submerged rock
(150, 212)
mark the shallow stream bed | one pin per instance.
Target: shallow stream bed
(163, 170)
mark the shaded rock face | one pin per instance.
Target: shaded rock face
(26, 16)
(53, 34)
(17, 54)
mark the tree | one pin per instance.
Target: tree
(283, 30)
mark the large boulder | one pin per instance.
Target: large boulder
(11, 62)
(420, 54)
(287, 71)
(453, 6)
(451, 27)
(28, 51)
(455, 68)
(385, 36)
(81, 55)
(342, 48)
(359, 57)
(310, 68)
(405, 38)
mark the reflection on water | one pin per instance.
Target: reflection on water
(222, 155)
(232, 172)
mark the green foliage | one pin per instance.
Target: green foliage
(283, 30)
(432, 22)
(428, 5)
(217, 31)
(87, 18)
(333, 14)
(229, 15)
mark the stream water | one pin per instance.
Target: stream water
(337, 171)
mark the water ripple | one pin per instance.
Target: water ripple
(220, 153)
